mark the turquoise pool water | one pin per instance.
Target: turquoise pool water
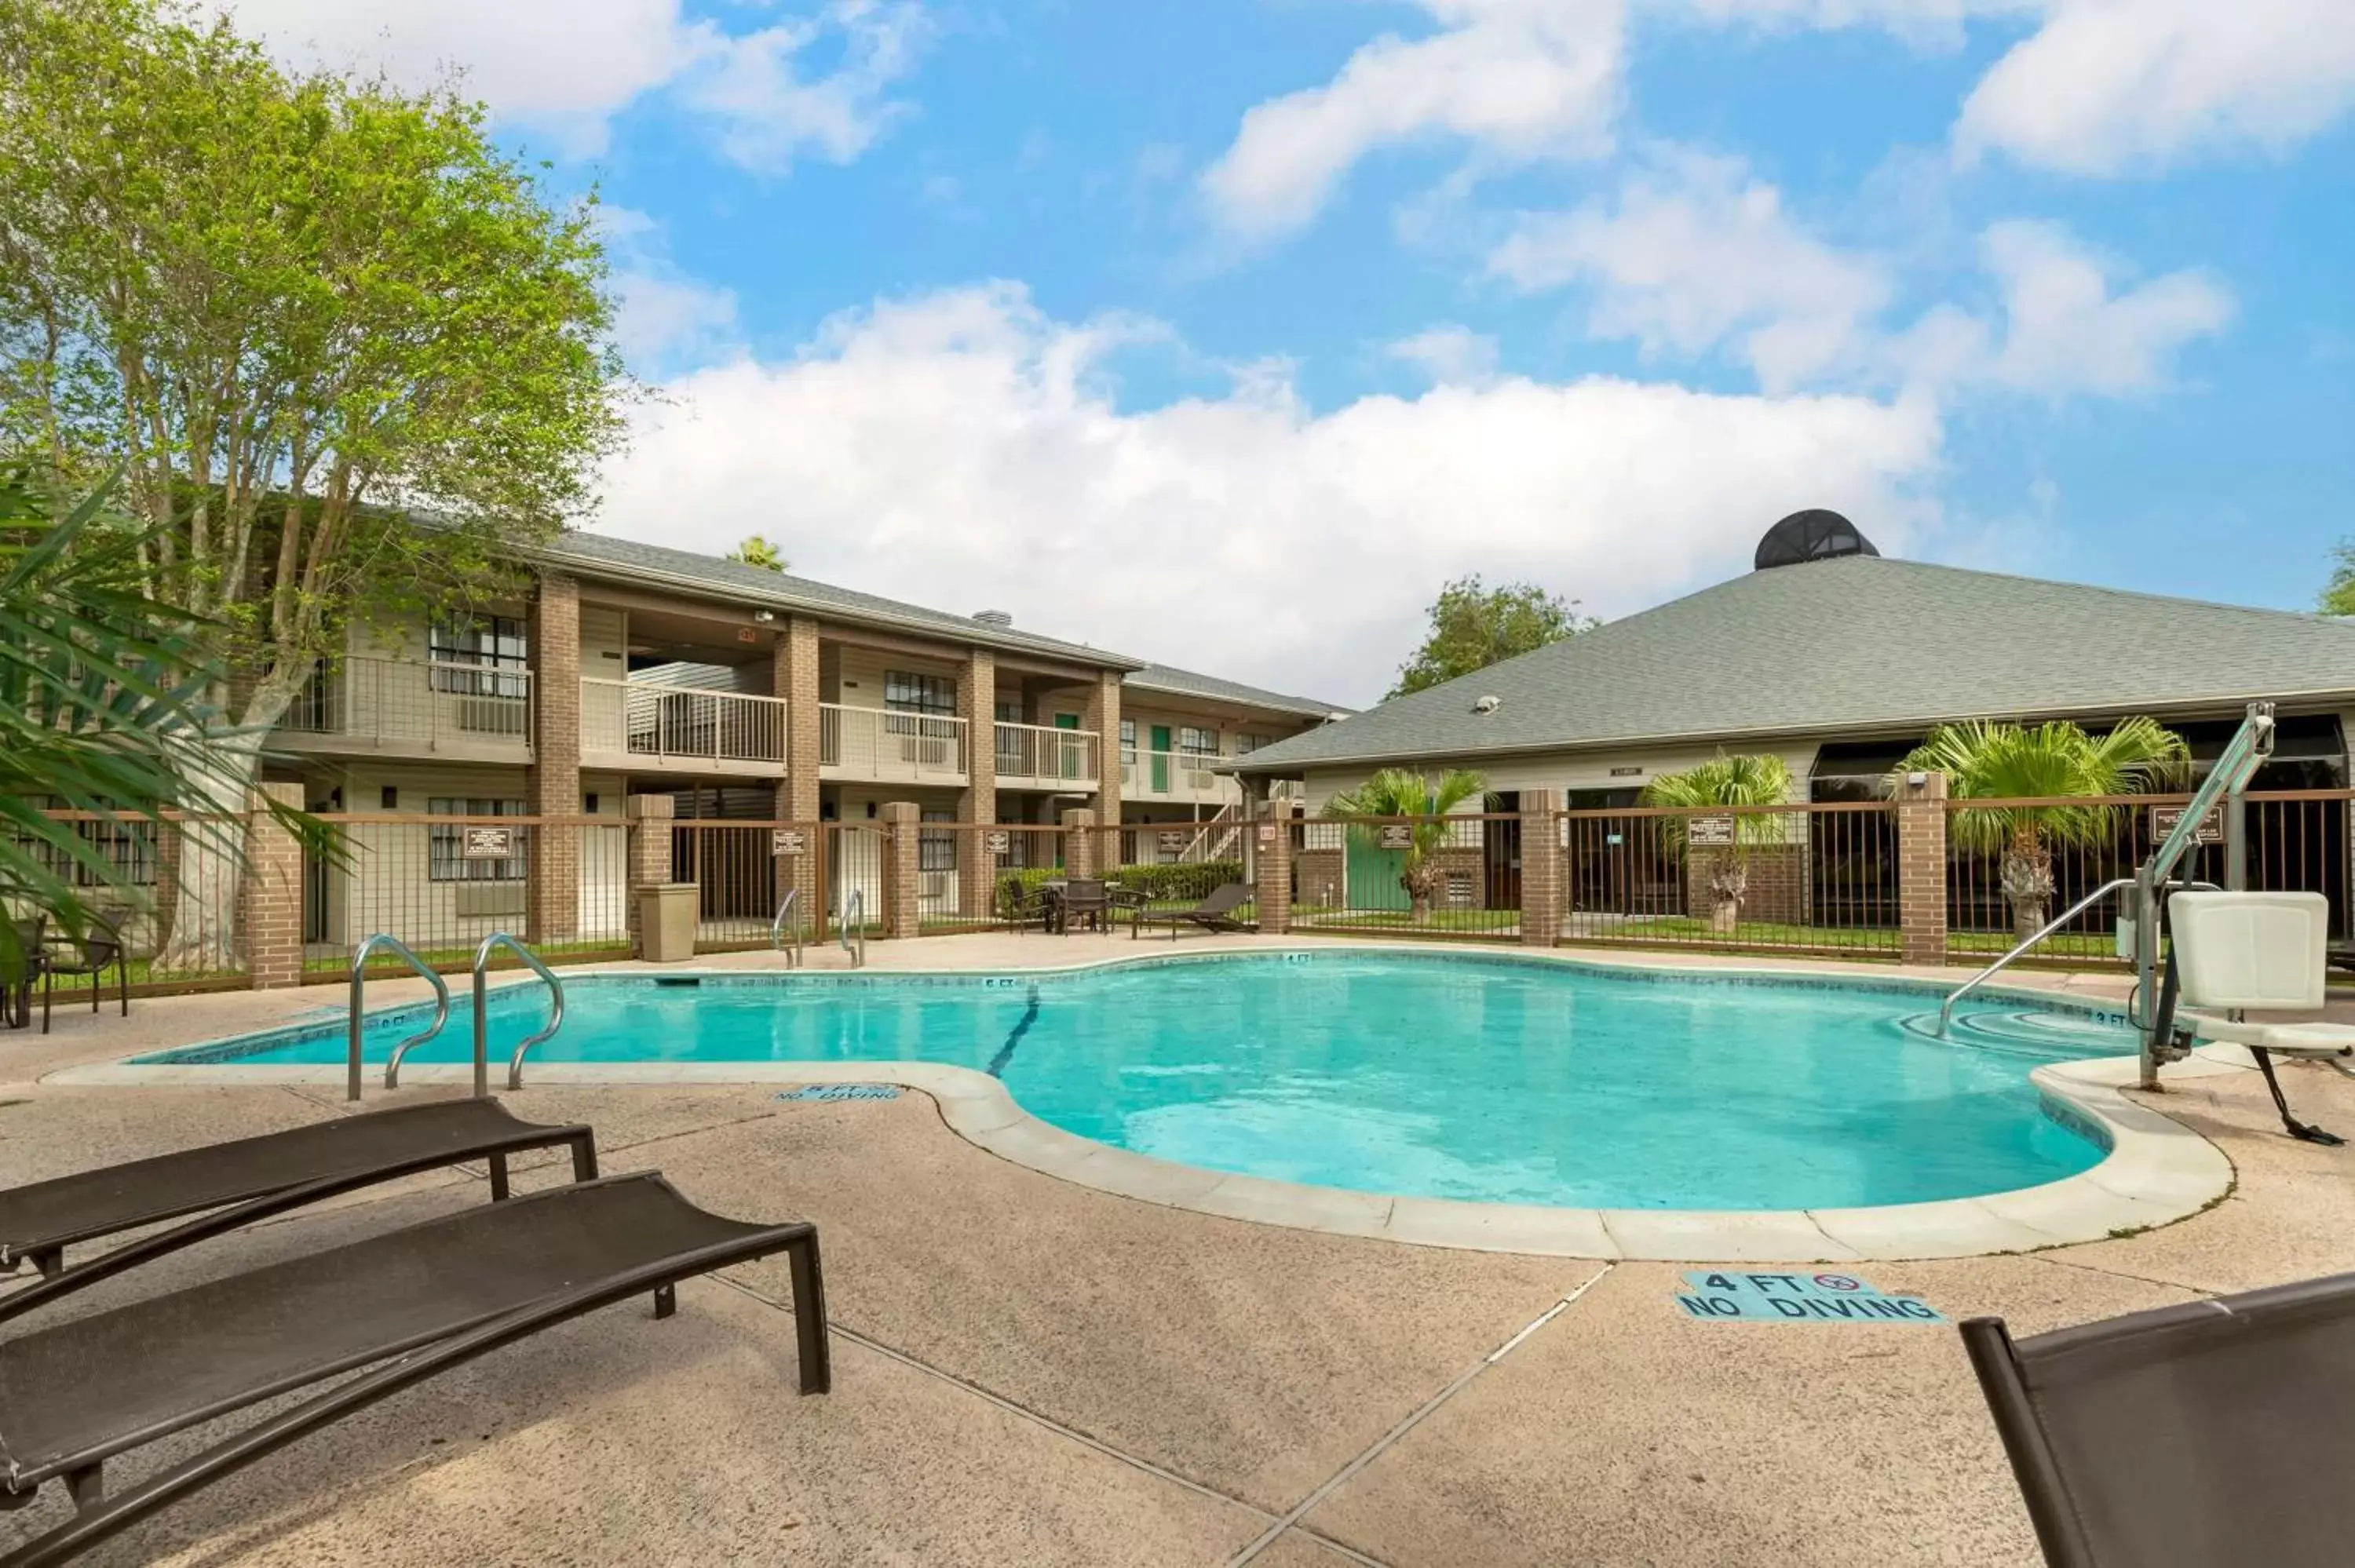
(1448, 1076)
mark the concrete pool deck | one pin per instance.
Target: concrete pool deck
(1104, 1381)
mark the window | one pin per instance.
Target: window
(445, 856)
(486, 657)
(936, 848)
(1198, 742)
(908, 692)
(1009, 710)
(129, 846)
(1128, 743)
(1247, 743)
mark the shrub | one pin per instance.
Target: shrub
(1188, 883)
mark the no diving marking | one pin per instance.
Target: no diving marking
(1722, 1296)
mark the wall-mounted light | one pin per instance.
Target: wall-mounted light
(1915, 781)
(764, 615)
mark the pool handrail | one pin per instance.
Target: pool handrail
(777, 930)
(482, 1011)
(854, 927)
(1946, 1008)
(359, 976)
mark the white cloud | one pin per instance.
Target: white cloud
(663, 319)
(2107, 86)
(1697, 253)
(1516, 78)
(1449, 355)
(1927, 23)
(2066, 332)
(564, 68)
(962, 450)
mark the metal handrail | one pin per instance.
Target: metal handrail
(854, 927)
(1946, 1009)
(777, 929)
(360, 975)
(482, 1011)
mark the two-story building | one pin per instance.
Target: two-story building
(744, 695)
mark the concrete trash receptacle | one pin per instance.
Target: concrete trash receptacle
(667, 922)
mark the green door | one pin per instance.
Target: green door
(1160, 785)
(1067, 763)
(1372, 874)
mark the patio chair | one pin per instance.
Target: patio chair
(249, 1178)
(1084, 898)
(421, 1300)
(32, 945)
(2261, 952)
(1216, 913)
(2192, 1437)
(97, 951)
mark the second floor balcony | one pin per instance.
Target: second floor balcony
(1180, 777)
(1034, 757)
(362, 704)
(889, 746)
(647, 725)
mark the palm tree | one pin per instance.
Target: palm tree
(1402, 792)
(1760, 781)
(1988, 761)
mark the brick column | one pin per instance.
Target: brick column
(977, 706)
(1100, 712)
(1080, 842)
(793, 675)
(1272, 848)
(902, 915)
(1922, 870)
(650, 818)
(552, 897)
(1542, 868)
(270, 899)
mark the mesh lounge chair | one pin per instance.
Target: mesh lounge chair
(421, 1300)
(2209, 1434)
(1216, 913)
(2260, 951)
(252, 1178)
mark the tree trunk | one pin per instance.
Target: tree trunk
(1729, 883)
(202, 934)
(2027, 883)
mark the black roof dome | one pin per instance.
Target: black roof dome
(1814, 534)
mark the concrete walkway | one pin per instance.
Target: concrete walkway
(1029, 1372)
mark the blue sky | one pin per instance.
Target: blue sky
(1224, 331)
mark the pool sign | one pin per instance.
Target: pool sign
(1396, 836)
(841, 1091)
(1723, 1296)
(997, 843)
(2210, 831)
(488, 843)
(1172, 841)
(785, 841)
(1708, 831)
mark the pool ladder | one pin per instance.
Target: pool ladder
(854, 927)
(797, 955)
(441, 1011)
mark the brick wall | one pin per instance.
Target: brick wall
(553, 787)
(270, 900)
(1779, 881)
(1542, 868)
(650, 846)
(793, 675)
(1922, 870)
(1082, 843)
(1100, 712)
(1272, 852)
(977, 706)
(903, 914)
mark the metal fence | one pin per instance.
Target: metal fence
(1802, 878)
(171, 895)
(1444, 876)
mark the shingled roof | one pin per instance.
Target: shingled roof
(1188, 683)
(1856, 643)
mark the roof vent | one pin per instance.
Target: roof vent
(1812, 535)
(1487, 704)
(993, 617)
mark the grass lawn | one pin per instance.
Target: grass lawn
(2074, 948)
(1488, 922)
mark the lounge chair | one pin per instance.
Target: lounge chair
(2259, 951)
(1216, 913)
(2196, 1435)
(249, 1178)
(421, 1299)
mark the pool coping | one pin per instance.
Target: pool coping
(2157, 1171)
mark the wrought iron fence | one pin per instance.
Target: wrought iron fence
(172, 897)
(1444, 876)
(982, 876)
(1816, 879)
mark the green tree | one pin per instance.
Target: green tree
(756, 551)
(101, 711)
(1402, 792)
(296, 310)
(1473, 628)
(1759, 780)
(1999, 762)
(2338, 598)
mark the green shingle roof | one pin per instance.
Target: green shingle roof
(1856, 643)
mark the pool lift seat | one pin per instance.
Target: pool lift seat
(2254, 952)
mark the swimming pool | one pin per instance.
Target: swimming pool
(1474, 1077)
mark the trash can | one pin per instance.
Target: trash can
(667, 922)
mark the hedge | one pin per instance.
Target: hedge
(1189, 882)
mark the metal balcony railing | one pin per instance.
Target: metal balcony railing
(877, 743)
(403, 705)
(1034, 752)
(647, 719)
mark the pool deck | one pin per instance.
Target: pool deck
(1032, 1371)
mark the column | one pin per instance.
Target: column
(1272, 851)
(650, 818)
(270, 897)
(793, 675)
(1080, 842)
(902, 828)
(552, 785)
(977, 807)
(1542, 868)
(1922, 870)
(1100, 712)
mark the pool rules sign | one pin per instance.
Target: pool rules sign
(1721, 1296)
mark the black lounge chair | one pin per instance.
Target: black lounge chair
(2192, 1437)
(421, 1300)
(1216, 913)
(251, 1179)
